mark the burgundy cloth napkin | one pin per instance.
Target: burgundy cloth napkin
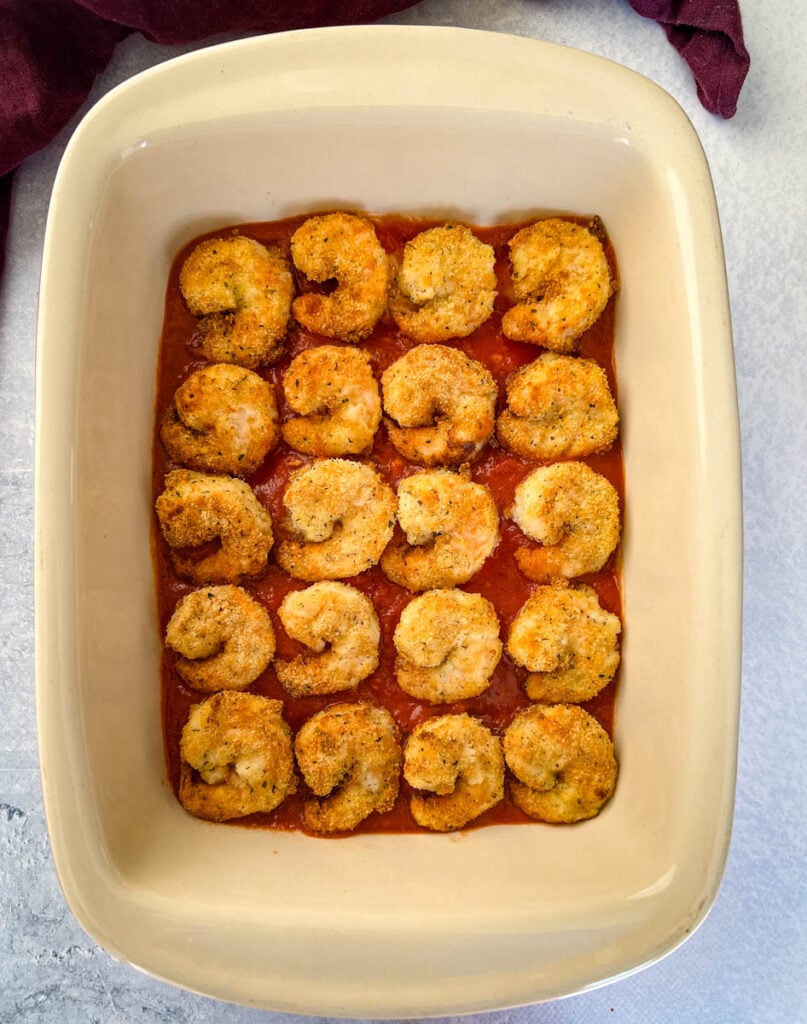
(52, 50)
(709, 36)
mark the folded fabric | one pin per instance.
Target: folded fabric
(709, 36)
(52, 50)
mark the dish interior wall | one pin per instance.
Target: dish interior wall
(482, 168)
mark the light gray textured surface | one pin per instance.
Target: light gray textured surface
(746, 962)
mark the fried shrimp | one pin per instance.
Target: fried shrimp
(340, 518)
(446, 284)
(339, 625)
(223, 636)
(196, 509)
(243, 292)
(573, 512)
(441, 405)
(451, 525)
(558, 406)
(335, 396)
(567, 641)
(223, 419)
(563, 762)
(459, 763)
(237, 757)
(448, 646)
(343, 247)
(562, 282)
(350, 758)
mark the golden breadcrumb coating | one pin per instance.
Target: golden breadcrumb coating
(563, 762)
(345, 248)
(196, 509)
(237, 757)
(243, 292)
(448, 646)
(567, 641)
(340, 627)
(450, 525)
(574, 513)
(223, 419)
(225, 638)
(440, 404)
(456, 764)
(562, 282)
(558, 407)
(350, 758)
(446, 284)
(340, 518)
(334, 396)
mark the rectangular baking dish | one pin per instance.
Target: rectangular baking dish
(439, 122)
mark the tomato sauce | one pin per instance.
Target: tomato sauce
(499, 580)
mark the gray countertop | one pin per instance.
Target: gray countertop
(746, 962)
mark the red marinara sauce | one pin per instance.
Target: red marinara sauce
(499, 580)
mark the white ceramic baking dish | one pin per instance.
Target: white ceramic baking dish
(487, 128)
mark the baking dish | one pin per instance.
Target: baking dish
(440, 122)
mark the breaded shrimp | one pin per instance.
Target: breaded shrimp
(335, 396)
(451, 525)
(225, 638)
(344, 247)
(340, 626)
(340, 518)
(350, 758)
(440, 404)
(237, 757)
(563, 762)
(562, 281)
(567, 641)
(573, 512)
(448, 646)
(243, 292)
(446, 284)
(458, 762)
(196, 509)
(223, 419)
(558, 406)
